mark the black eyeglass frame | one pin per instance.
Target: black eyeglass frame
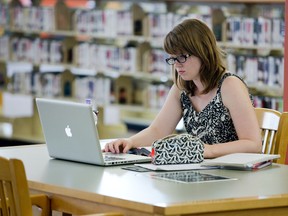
(177, 59)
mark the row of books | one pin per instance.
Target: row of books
(156, 64)
(4, 15)
(255, 31)
(126, 59)
(98, 88)
(112, 23)
(35, 50)
(106, 23)
(52, 84)
(269, 102)
(106, 57)
(4, 48)
(161, 24)
(29, 18)
(36, 83)
(103, 22)
(157, 95)
(258, 70)
(109, 23)
(102, 89)
(253, 69)
(85, 55)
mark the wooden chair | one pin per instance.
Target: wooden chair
(273, 125)
(15, 199)
(14, 192)
(281, 146)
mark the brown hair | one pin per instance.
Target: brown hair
(194, 37)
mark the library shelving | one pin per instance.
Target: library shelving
(112, 50)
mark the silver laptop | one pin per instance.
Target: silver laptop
(70, 134)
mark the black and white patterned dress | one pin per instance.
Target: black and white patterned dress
(214, 123)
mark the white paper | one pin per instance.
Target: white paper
(16, 105)
(111, 115)
(83, 71)
(173, 167)
(18, 67)
(51, 68)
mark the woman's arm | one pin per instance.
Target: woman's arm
(164, 124)
(236, 98)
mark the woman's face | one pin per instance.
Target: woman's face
(189, 70)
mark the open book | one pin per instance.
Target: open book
(245, 161)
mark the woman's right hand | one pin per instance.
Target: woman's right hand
(118, 146)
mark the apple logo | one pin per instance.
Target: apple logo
(68, 131)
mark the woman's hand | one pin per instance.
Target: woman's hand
(208, 151)
(118, 146)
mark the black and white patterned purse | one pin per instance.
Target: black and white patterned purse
(178, 149)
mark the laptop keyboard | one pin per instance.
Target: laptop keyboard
(112, 158)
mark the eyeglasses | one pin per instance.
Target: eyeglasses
(180, 59)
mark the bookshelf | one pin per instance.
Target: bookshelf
(123, 64)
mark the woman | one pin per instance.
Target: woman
(215, 105)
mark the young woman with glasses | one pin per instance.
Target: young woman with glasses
(214, 104)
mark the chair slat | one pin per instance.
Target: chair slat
(11, 199)
(268, 120)
(4, 206)
(271, 141)
(265, 139)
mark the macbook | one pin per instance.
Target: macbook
(71, 134)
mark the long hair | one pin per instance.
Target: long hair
(194, 37)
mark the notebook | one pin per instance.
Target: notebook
(70, 134)
(244, 161)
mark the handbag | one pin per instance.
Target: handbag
(178, 149)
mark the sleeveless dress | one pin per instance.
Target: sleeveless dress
(213, 124)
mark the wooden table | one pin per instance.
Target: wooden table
(83, 188)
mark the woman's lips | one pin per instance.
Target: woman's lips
(180, 72)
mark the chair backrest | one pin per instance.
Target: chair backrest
(14, 192)
(273, 124)
(268, 120)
